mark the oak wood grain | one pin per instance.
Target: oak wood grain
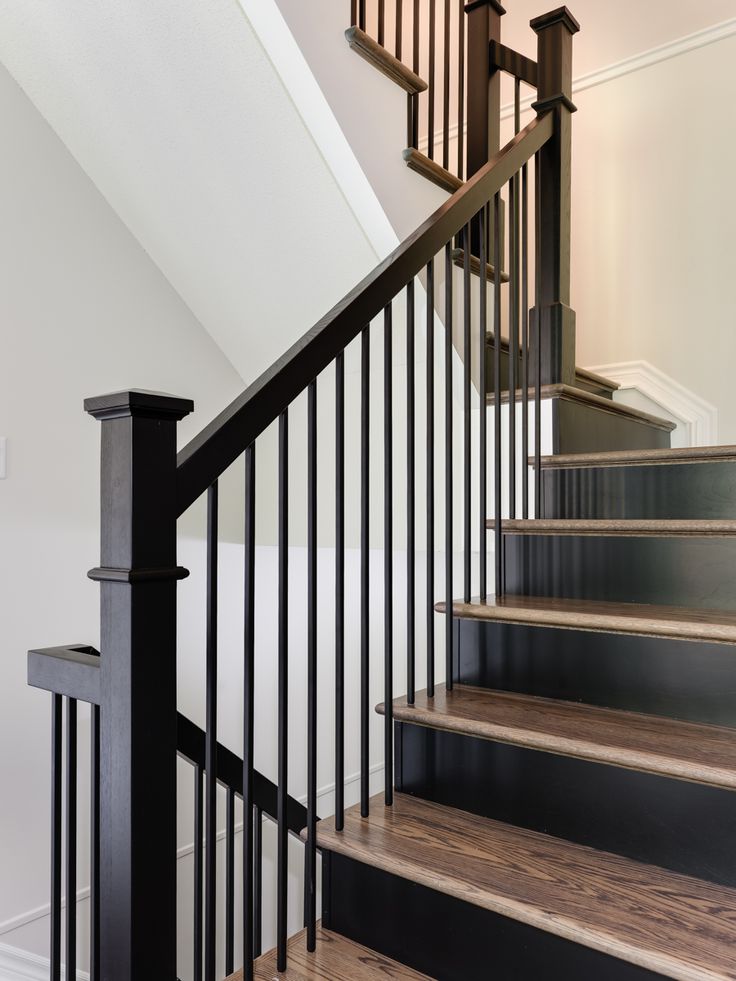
(642, 620)
(687, 751)
(421, 164)
(384, 61)
(636, 458)
(581, 397)
(621, 527)
(335, 959)
(681, 927)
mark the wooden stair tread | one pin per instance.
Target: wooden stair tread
(335, 959)
(384, 61)
(434, 172)
(685, 750)
(634, 458)
(644, 620)
(571, 394)
(458, 258)
(682, 927)
(620, 527)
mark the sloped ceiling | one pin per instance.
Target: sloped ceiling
(178, 116)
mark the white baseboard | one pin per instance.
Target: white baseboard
(19, 965)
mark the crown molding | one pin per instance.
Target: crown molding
(636, 63)
(696, 417)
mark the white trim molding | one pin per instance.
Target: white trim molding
(19, 965)
(698, 418)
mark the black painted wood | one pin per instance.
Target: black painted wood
(689, 572)
(447, 938)
(578, 428)
(674, 678)
(681, 826)
(686, 491)
(138, 725)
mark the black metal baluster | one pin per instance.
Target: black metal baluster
(230, 883)
(446, 90)
(361, 14)
(249, 645)
(498, 538)
(381, 22)
(388, 553)
(94, 821)
(353, 12)
(431, 78)
(71, 838)
(210, 765)
(283, 692)
(467, 476)
(311, 846)
(340, 592)
(461, 94)
(537, 345)
(198, 869)
(415, 64)
(448, 467)
(56, 834)
(399, 28)
(410, 498)
(482, 421)
(525, 340)
(364, 568)
(513, 339)
(430, 479)
(257, 881)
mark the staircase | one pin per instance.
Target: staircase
(559, 766)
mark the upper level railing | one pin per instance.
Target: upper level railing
(462, 475)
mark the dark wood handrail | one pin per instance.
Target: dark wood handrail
(74, 670)
(212, 451)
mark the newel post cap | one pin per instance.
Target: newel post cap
(474, 4)
(560, 15)
(136, 402)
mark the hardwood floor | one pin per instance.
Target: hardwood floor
(335, 959)
(649, 743)
(682, 927)
(598, 616)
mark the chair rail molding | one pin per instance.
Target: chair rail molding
(698, 418)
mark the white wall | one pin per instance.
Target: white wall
(83, 310)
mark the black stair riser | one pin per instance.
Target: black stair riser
(447, 938)
(685, 827)
(684, 491)
(685, 571)
(674, 678)
(584, 428)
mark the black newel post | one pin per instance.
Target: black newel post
(484, 97)
(138, 575)
(554, 57)
(484, 83)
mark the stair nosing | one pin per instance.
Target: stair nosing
(608, 753)
(386, 63)
(632, 458)
(571, 394)
(619, 527)
(421, 164)
(596, 616)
